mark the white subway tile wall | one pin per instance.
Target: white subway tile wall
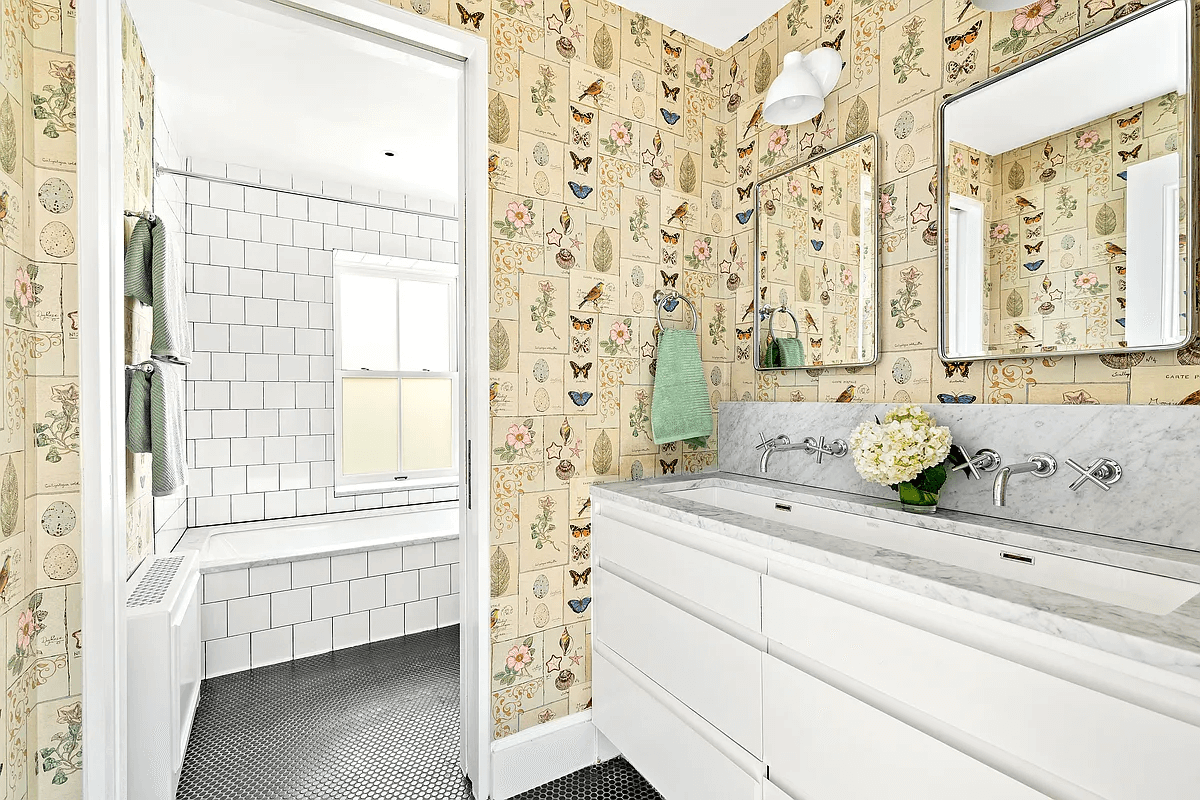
(260, 300)
(265, 615)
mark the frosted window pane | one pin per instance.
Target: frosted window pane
(370, 419)
(427, 429)
(368, 322)
(424, 326)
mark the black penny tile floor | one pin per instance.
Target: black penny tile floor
(376, 721)
(612, 780)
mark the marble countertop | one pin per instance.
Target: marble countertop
(1170, 641)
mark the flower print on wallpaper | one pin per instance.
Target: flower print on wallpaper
(644, 201)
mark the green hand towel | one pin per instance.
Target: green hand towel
(680, 408)
(137, 411)
(154, 424)
(791, 353)
(152, 279)
(771, 355)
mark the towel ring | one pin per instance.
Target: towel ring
(771, 320)
(146, 367)
(661, 298)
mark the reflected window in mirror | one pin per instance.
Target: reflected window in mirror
(817, 249)
(1065, 196)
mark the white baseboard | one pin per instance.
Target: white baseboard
(545, 753)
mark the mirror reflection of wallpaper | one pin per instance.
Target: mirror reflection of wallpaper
(816, 257)
(1055, 234)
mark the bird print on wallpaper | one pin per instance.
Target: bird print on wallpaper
(679, 213)
(1113, 250)
(810, 322)
(1021, 331)
(1022, 203)
(755, 118)
(595, 90)
(5, 577)
(594, 295)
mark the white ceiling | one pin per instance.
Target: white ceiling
(1135, 62)
(248, 85)
(719, 24)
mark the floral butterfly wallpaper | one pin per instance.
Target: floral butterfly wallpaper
(621, 153)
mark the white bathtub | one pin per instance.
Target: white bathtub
(285, 589)
(251, 544)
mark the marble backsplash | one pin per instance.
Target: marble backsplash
(1155, 500)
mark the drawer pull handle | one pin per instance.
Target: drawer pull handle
(1024, 559)
(782, 507)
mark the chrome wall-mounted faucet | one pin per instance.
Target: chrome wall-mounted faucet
(1042, 465)
(984, 460)
(1103, 472)
(838, 448)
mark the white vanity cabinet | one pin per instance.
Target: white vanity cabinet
(723, 670)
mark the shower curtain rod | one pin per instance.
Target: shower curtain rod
(250, 185)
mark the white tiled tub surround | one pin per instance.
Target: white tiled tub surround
(260, 298)
(260, 615)
(170, 513)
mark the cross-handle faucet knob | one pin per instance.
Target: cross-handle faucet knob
(1103, 472)
(985, 460)
(764, 443)
(838, 448)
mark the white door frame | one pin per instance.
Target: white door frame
(101, 182)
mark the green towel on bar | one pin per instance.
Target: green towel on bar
(154, 424)
(680, 408)
(152, 279)
(791, 353)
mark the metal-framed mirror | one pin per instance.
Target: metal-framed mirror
(1066, 191)
(817, 240)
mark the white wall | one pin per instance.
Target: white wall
(260, 300)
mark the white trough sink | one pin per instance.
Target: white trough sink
(1139, 591)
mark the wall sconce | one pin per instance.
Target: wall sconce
(998, 5)
(798, 93)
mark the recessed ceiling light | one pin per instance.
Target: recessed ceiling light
(388, 153)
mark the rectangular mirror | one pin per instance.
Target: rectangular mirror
(816, 288)
(1065, 192)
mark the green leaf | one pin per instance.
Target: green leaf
(38, 99)
(932, 479)
(40, 112)
(53, 456)
(59, 778)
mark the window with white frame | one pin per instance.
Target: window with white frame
(396, 373)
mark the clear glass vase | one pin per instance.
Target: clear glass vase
(917, 501)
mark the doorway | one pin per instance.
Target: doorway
(417, 217)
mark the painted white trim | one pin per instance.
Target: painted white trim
(545, 753)
(102, 349)
(102, 386)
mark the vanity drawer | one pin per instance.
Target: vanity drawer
(826, 745)
(676, 760)
(711, 672)
(1110, 747)
(716, 582)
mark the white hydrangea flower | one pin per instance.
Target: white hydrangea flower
(900, 448)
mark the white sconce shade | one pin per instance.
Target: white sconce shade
(999, 5)
(798, 93)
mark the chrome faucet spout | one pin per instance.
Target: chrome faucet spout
(1040, 464)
